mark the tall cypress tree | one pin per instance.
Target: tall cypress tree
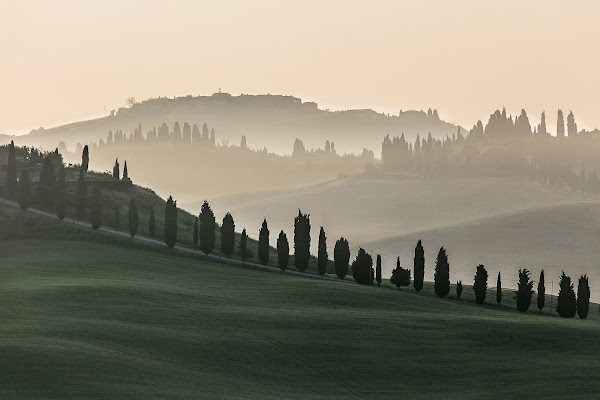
(47, 183)
(263, 243)
(378, 270)
(11, 172)
(85, 159)
(151, 222)
(524, 291)
(283, 251)
(301, 241)
(459, 289)
(341, 257)
(480, 284)
(133, 217)
(116, 170)
(541, 292)
(498, 289)
(171, 222)
(96, 207)
(80, 195)
(441, 275)
(583, 297)
(61, 195)
(322, 253)
(244, 245)
(207, 228)
(125, 172)
(24, 190)
(227, 235)
(419, 266)
(560, 124)
(195, 236)
(566, 304)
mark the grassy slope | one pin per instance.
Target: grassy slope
(91, 319)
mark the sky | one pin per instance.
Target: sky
(65, 60)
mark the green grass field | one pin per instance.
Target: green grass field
(91, 319)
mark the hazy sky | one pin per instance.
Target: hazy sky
(63, 61)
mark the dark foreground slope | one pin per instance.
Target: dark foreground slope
(99, 320)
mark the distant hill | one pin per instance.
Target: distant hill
(271, 121)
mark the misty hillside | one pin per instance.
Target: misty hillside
(271, 121)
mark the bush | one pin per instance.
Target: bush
(362, 268)
(400, 276)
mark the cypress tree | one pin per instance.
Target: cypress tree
(47, 183)
(441, 275)
(480, 284)
(458, 290)
(283, 251)
(195, 238)
(244, 245)
(24, 190)
(583, 297)
(362, 268)
(341, 257)
(151, 222)
(96, 207)
(541, 292)
(322, 253)
(378, 269)
(207, 228)
(301, 241)
(227, 235)
(85, 159)
(171, 222)
(80, 195)
(400, 276)
(117, 222)
(11, 172)
(263, 243)
(116, 170)
(566, 304)
(498, 290)
(133, 217)
(560, 124)
(419, 266)
(524, 291)
(61, 195)
(125, 172)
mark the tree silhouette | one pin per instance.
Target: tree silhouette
(116, 170)
(378, 269)
(498, 289)
(419, 266)
(227, 235)
(583, 297)
(24, 190)
(362, 268)
(125, 173)
(187, 133)
(47, 183)
(566, 304)
(524, 291)
(341, 257)
(441, 275)
(80, 195)
(283, 251)
(195, 234)
(400, 276)
(480, 284)
(133, 217)
(171, 222)
(207, 228)
(322, 253)
(151, 222)
(263, 243)
(244, 254)
(301, 241)
(11, 171)
(560, 124)
(96, 207)
(541, 292)
(571, 125)
(458, 289)
(61, 200)
(85, 159)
